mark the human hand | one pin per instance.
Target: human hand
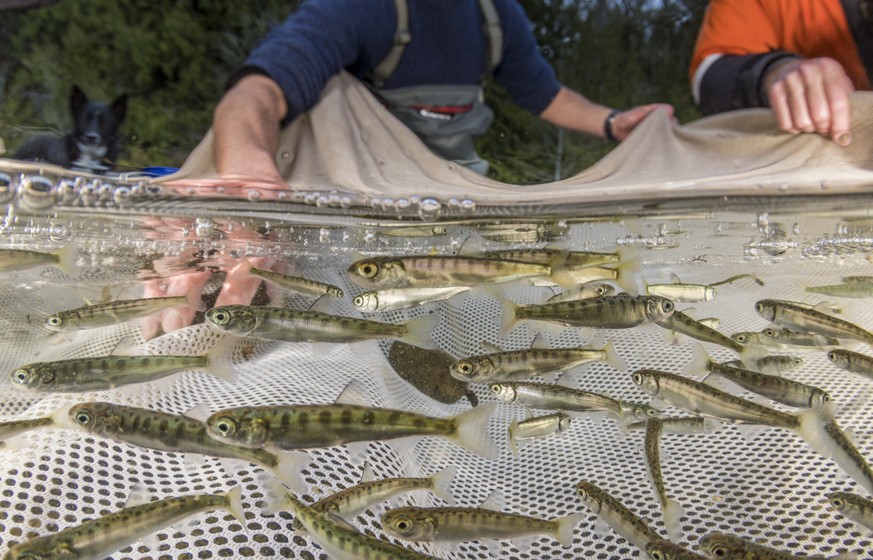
(811, 95)
(626, 121)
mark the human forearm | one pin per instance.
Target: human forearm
(246, 126)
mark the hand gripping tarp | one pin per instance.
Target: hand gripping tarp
(350, 143)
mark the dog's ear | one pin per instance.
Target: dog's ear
(77, 99)
(119, 107)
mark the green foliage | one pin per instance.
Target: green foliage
(173, 57)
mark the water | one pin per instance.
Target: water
(129, 243)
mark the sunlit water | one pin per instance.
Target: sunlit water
(770, 487)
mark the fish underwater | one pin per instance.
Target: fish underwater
(114, 312)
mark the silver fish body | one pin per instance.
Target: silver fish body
(279, 323)
(404, 298)
(420, 271)
(849, 290)
(700, 398)
(297, 283)
(616, 515)
(857, 508)
(110, 313)
(536, 427)
(583, 291)
(721, 546)
(670, 508)
(789, 338)
(464, 524)
(522, 364)
(662, 549)
(854, 362)
(683, 425)
(307, 426)
(22, 259)
(821, 431)
(607, 312)
(12, 428)
(682, 292)
(78, 375)
(98, 538)
(774, 387)
(797, 317)
(682, 323)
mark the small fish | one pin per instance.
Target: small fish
(755, 338)
(858, 279)
(404, 298)
(612, 512)
(700, 398)
(774, 387)
(308, 426)
(114, 312)
(340, 541)
(279, 323)
(153, 429)
(857, 508)
(821, 431)
(682, 323)
(793, 316)
(849, 290)
(294, 283)
(774, 364)
(536, 427)
(567, 399)
(522, 364)
(583, 291)
(665, 550)
(466, 524)
(101, 537)
(356, 499)
(685, 425)
(80, 375)
(682, 292)
(556, 257)
(720, 546)
(424, 271)
(606, 312)
(786, 338)
(670, 508)
(12, 428)
(415, 231)
(854, 362)
(22, 259)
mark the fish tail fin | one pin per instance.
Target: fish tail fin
(699, 365)
(612, 357)
(508, 315)
(275, 496)
(566, 526)
(472, 431)
(245, 267)
(673, 513)
(845, 556)
(67, 258)
(419, 332)
(629, 276)
(563, 278)
(441, 483)
(220, 360)
(288, 467)
(510, 436)
(235, 505)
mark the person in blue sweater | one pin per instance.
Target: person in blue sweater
(425, 59)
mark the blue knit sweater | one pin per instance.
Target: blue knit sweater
(448, 46)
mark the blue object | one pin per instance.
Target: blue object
(158, 170)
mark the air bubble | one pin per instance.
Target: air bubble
(401, 204)
(429, 208)
(204, 227)
(468, 206)
(7, 191)
(253, 195)
(345, 202)
(37, 193)
(322, 201)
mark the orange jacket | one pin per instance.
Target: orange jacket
(810, 28)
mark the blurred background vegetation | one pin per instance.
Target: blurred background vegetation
(172, 58)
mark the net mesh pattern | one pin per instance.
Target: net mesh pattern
(769, 487)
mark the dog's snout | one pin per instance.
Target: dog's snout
(92, 138)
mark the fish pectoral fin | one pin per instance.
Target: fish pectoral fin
(524, 542)
(151, 541)
(494, 501)
(357, 449)
(354, 394)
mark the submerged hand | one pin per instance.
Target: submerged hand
(811, 95)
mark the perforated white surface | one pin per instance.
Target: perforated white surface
(770, 489)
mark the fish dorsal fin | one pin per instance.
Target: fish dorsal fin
(490, 348)
(323, 304)
(124, 347)
(527, 413)
(472, 246)
(675, 278)
(367, 474)
(198, 412)
(138, 495)
(539, 342)
(354, 394)
(495, 501)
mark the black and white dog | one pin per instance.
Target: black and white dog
(91, 146)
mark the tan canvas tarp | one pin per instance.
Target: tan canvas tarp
(350, 143)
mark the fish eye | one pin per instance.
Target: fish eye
(495, 388)
(825, 398)
(741, 338)
(465, 367)
(667, 306)
(770, 331)
(21, 376)
(837, 502)
(832, 356)
(638, 378)
(221, 317)
(358, 302)
(225, 426)
(600, 290)
(403, 525)
(581, 492)
(54, 321)
(657, 555)
(718, 550)
(651, 412)
(759, 307)
(83, 418)
(368, 269)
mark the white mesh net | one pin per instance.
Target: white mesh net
(770, 488)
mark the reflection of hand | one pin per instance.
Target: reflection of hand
(626, 121)
(238, 288)
(811, 95)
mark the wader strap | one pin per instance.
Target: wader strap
(859, 24)
(402, 37)
(494, 33)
